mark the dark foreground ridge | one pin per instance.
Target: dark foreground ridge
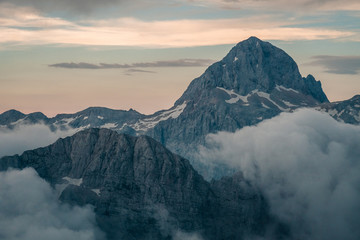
(132, 181)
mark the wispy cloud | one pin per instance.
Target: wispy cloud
(70, 6)
(132, 70)
(296, 5)
(15, 16)
(76, 7)
(19, 30)
(338, 64)
(132, 67)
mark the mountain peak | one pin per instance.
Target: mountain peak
(254, 65)
(10, 116)
(251, 40)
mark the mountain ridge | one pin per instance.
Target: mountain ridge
(128, 179)
(253, 82)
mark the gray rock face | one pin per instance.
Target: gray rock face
(254, 65)
(132, 181)
(347, 111)
(10, 116)
(255, 81)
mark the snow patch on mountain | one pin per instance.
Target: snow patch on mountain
(282, 88)
(74, 181)
(234, 96)
(148, 123)
(109, 125)
(20, 121)
(289, 104)
(267, 96)
(97, 191)
(65, 121)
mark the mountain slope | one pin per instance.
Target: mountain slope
(254, 65)
(141, 190)
(253, 82)
(347, 111)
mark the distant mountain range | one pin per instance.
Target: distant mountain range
(253, 82)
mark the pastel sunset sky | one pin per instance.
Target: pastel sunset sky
(62, 56)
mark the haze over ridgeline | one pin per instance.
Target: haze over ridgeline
(270, 158)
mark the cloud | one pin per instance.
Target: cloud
(70, 6)
(132, 70)
(76, 7)
(168, 63)
(29, 210)
(15, 16)
(26, 137)
(25, 26)
(167, 225)
(296, 5)
(338, 64)
(307, 165)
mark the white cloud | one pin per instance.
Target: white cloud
(295, 5)
(75, 7)
(15, 16)
(17, 28)
(26, 137)
(29, 210)
(308, 167)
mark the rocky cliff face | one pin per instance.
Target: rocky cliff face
(254, 65)
(141, 190)
(253, 82)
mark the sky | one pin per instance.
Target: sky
(64, 56)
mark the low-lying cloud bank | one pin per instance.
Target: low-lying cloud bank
(308, 166)
(27, 137)
(30, 210)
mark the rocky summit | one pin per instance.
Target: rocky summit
(140, 190)
(253, 82)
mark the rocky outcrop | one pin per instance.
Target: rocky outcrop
(141, 190)
(254, 65)
(347, 111)
(253, 82)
